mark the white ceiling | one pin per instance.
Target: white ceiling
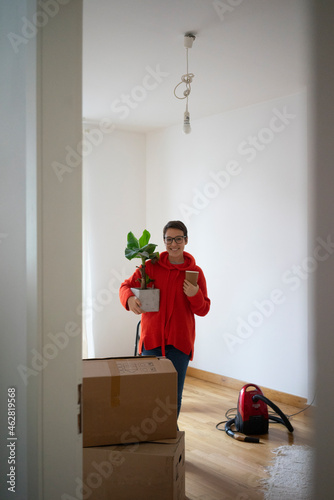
(250, 51)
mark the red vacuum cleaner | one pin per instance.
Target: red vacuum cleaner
(252, 415)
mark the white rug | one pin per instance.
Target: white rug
(290, 476)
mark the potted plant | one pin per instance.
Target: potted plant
(142, 249)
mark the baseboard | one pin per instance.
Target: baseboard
(232, 383)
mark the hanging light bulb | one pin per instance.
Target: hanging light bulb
(186, 122)
(187, 80)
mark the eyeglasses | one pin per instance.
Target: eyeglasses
(177, 239)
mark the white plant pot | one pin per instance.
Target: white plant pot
(150, 298)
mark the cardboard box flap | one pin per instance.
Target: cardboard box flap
(106, 367)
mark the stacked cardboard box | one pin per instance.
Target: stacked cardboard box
(145, 471)
(130, 438)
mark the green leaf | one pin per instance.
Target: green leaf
(131, 253)
(132, 241)
(144, 239)
(148, 248)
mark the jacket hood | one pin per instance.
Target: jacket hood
(189, 262)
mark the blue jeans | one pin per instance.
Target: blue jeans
(180, 361)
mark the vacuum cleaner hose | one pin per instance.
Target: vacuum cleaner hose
(283, 420)
(237, 436)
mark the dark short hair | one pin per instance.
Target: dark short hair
(175, 224)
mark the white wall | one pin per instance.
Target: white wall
(248, 229)
(114, 204)
(240, 183)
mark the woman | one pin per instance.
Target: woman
(170, 332)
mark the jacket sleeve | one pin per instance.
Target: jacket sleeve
(125, 288)
(200, 303)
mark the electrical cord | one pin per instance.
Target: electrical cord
(304, 409)
(228, 417)
(187, 80)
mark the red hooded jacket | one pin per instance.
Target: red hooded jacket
(174, 323)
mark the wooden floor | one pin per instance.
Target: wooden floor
(217, 466)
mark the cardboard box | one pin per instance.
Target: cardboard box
(145, 471)
(126, 400)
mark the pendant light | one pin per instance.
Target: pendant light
(186, 79)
